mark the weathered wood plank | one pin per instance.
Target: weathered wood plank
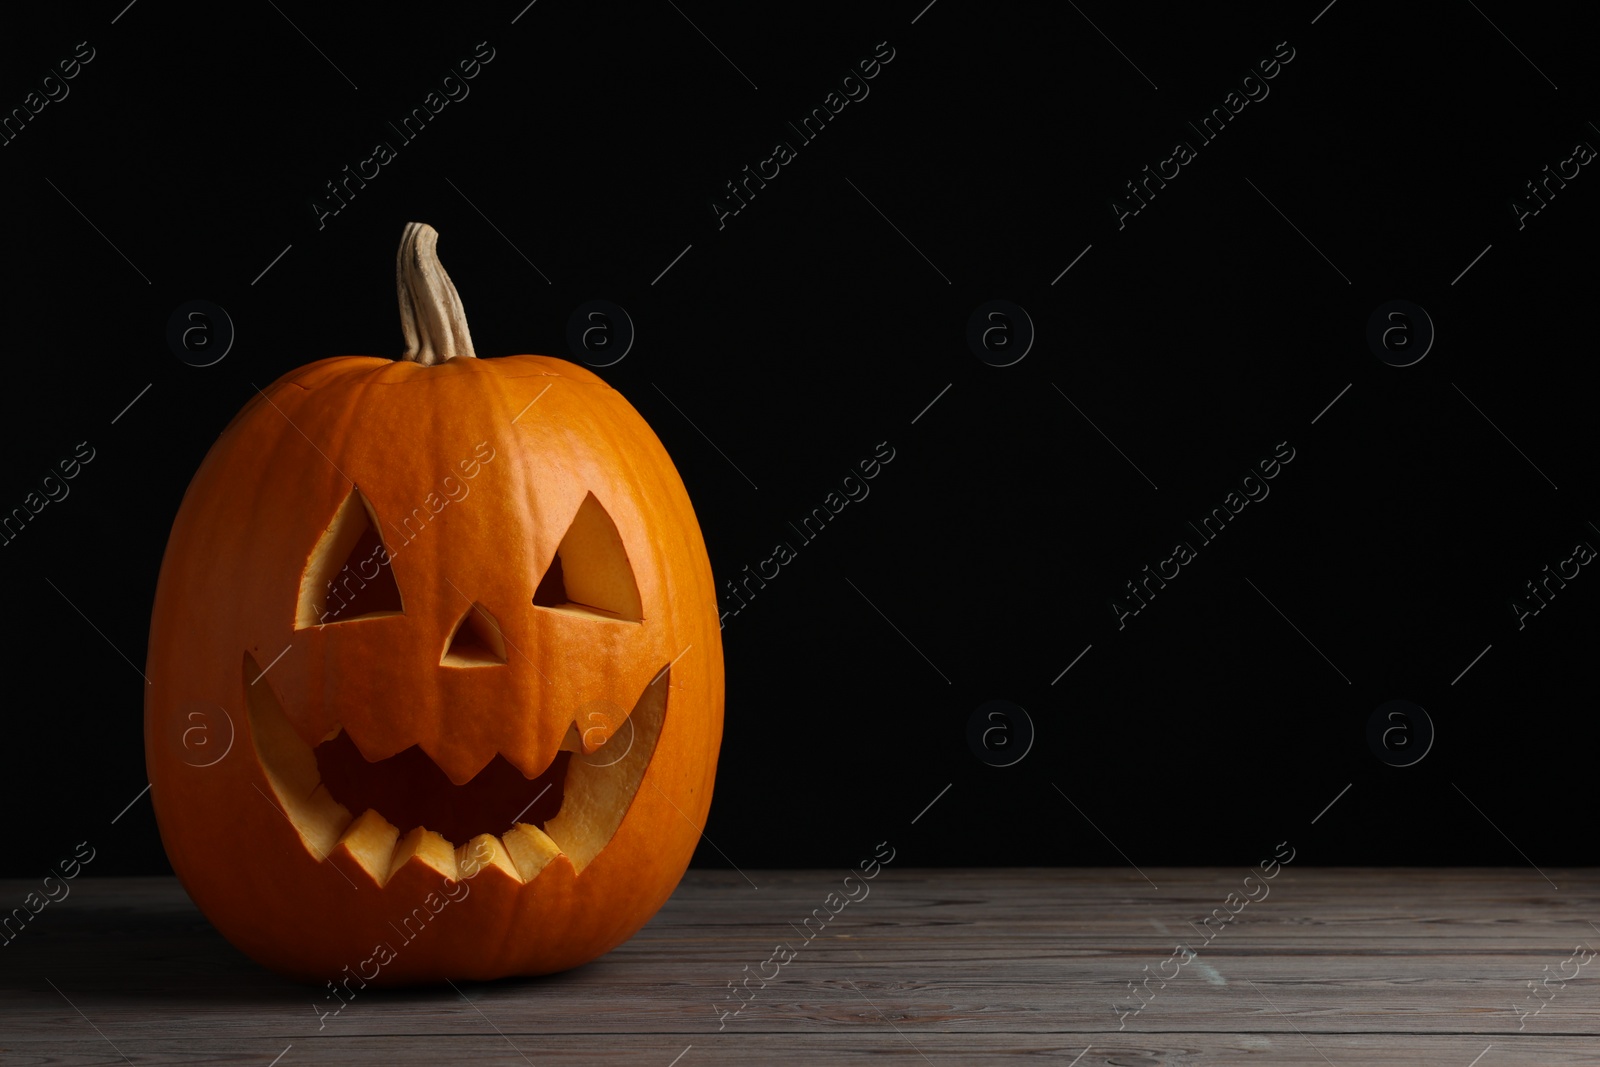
(833, 1050)
(972, 966)
(844, 1050)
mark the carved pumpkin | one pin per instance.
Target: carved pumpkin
(435, 668)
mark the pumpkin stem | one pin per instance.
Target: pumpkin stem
(431, 315)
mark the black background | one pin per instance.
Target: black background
(822, 320)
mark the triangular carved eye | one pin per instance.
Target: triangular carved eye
(348, 576)
(590, 575)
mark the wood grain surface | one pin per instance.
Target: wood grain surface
(959, 966)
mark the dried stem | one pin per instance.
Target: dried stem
(431, 315)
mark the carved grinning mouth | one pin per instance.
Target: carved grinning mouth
(499, 817)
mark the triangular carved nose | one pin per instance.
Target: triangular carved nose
(477, 641)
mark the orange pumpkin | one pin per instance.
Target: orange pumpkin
(435, 667)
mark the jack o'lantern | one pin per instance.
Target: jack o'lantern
(435, 668)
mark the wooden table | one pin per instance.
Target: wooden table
(1334, 966)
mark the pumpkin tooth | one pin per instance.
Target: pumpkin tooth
(320, 819)
(370, 842)
(425, 848)
(530, 849)
(483, 852)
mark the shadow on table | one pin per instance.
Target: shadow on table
(129, 952)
